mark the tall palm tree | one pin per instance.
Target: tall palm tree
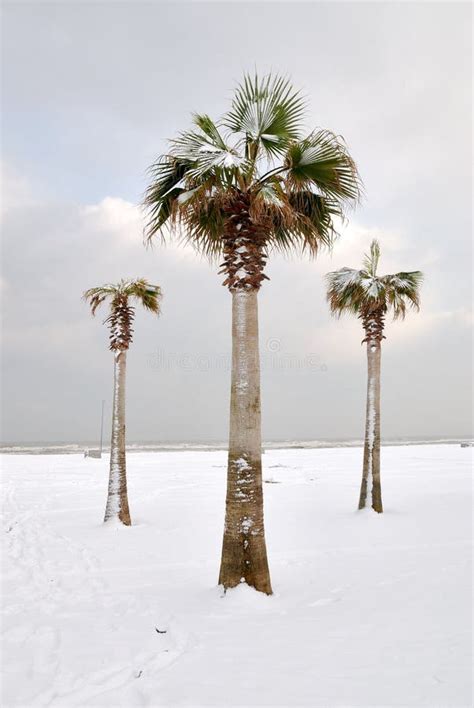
(371, 297)
(237, 189)
(120, 322)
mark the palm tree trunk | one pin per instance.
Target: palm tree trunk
(244, 553)
(371, 466)
(117, 500)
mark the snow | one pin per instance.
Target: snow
(346, 276)
(368, 610)
(246, 525)
(371, 286)
(210, 148)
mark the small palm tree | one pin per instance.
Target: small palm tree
(120, 322)
(237, 189)
(371, 297)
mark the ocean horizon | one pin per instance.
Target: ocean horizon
(80, 447)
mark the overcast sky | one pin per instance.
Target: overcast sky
(92, 90)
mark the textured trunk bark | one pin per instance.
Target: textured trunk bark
(371, 468)
(117, 499)
(244, 553)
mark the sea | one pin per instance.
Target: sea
(75, 448)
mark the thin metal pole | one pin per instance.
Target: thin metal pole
(102, 427)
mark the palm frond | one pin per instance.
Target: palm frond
(344, 291)
(148, 295)
(210, 129)
(200, 223)
(355, 291)
(206, 153)
(297, 203)
(316, 217)
(371, 259)
(267, 111)
(403, 289)
(167, 183)
(96, 296)
(270, 194)
(295, 219)
(321, 160)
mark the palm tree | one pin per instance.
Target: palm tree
(120, 322)
(237, 189)
(370, 297)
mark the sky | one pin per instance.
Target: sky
(91, 91)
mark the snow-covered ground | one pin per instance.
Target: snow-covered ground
(368, 610)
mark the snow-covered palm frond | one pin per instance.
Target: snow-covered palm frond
(403, 289)
(346, 277)
(271, 194)
(296, 203)
(267, 112)
(345, 291)
(321, 161)
(353, 291)
(372, 286)
(197, 158)
(206, 153)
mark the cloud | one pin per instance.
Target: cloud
(80, 127)
(55, 353)
(117, 216)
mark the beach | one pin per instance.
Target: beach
(367, 610)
